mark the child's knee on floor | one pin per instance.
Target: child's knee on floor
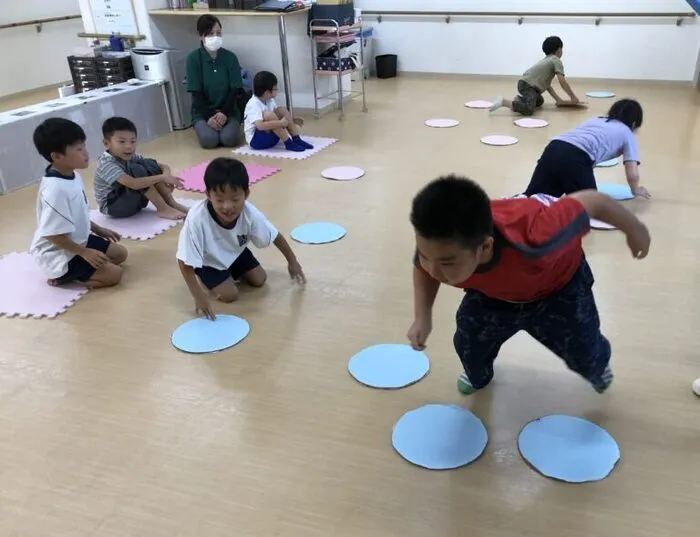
(107, 276)
(117, 253)
(256, 277)
(227, 291)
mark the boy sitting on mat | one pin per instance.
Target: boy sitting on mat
(538, 79)
(125, 181)
(266, 123)
(67, 246)
(213, 241)
(566, 165)
(523, 268)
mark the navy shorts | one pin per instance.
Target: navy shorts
(562, 169)
(243, 264)
(264, 140)
(565, 322)
(79, 269)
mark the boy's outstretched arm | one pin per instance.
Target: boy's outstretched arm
(201, 299)
(425, 290)
(567, 88)
(606, 209)
(554, 95)
(293, 266)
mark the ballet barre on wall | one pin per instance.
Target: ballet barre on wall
(38, 23)
(521, 16)
(131, 39)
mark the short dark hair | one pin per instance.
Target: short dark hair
(552, 44)
(225, 172)
(453, 208)
(55, 135)
(116, 124)
(627, 111)
(206, 23)
(262, 82)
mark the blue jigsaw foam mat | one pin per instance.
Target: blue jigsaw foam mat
(615, 191)
(388, 366)
(568, 449)
(202, 335)
(439, 437)
(318, 233)
(608, 163)
(600, 94)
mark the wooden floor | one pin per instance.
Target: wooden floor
(107, 431)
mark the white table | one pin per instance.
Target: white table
(20, 165)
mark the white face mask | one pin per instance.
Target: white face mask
(212, 43)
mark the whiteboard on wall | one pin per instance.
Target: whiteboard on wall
(551, 6)
(114, 17)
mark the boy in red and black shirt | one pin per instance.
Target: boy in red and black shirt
(522, 266)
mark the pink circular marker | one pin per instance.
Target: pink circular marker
(531, 123)
(478, 104)
(442, 123)
(343, 173)
(597, 224)
(499, 139)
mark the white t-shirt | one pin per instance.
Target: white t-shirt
(205, 243)
(61, 209)
(254, 111)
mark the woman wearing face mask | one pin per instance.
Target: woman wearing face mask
(214, 80)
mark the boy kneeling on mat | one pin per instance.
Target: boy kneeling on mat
(125, 181)
(522, 266)
(266, 123)
(214, 238)
(67, 245)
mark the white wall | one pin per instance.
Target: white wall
(30, 59)
(646, 49)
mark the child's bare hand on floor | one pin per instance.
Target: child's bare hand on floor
(202, 306)
(296, 273)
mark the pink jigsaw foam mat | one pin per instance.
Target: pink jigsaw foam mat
(24, 292)
(280, 152)
(142, 226)
(193, 178)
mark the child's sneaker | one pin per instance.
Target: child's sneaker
(498, 103)
(291, 145)
(464, 385)
(605, 380)
(302, 143)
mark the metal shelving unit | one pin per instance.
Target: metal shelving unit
(328, 33)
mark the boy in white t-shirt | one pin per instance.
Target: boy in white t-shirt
(266, 123)
(213, 241)
(67, 245)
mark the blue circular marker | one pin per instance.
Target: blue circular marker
(388, 366)
(608, 163)
(318, 233)
(569, 449)
(600, 94)
(202, 335)
(439, 437)
(616, 191)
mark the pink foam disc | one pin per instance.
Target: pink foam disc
(478, 104)
(531, 123)
(442, 123)
(597, 224)
(499, 139)
(343, 173)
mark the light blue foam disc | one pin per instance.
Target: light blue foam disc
(616, 191)
(601, 94)
(388, 366)
(608, 163)
(202, 335)
(439, 437)
(569, 449)
(318, 233)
